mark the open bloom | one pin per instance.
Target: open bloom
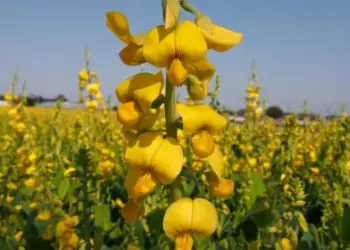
(136, 95)
(131, 54)
(221, 39)
(149, 164)
(182, 50)
(201, 122)
(186, 217)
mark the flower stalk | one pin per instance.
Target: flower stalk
(171, 129)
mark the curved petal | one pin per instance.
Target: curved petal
(138, 183)
(140, 153)
(166, 171)
(178, 218)
(202, 144)
(200, 117)
(202, 69)
(216, 161)
(159, 46)
(204, 217)
(129, 114)
(177, 74)
(117, 23)
(143, 88)
(221, 39)
(222, 188)
(132, 55)
(189, 42)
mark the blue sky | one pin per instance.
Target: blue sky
(301, 47)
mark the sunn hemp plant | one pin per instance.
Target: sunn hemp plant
(155, 157)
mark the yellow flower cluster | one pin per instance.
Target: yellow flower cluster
(154, 157)
(89, 81)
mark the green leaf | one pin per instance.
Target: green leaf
(155, 220)
(171, 12)
(63, 188)
(102, 215)
(264, 219)
(345, 227)
(98, 239)
(140, 233)
(250, 230)
(258, 186)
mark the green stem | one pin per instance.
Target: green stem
(171, 129)
(170, 110)
(189, 8)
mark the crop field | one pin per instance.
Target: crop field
(157, 173)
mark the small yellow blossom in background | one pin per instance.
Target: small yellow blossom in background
(44, 215)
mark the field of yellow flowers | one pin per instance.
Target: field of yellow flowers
(161, 174)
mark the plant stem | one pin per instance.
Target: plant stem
(171, 129)
(189, 8)
(170, 110)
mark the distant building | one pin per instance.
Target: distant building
(3, 104)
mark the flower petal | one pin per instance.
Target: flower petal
(177, 74)
(129, 114)
(143, 88)
(189, 42)
(205, 218)
(132, 55)
(221, 39)
(178, 218)
(117, 23)
(166, 171)
(216, 161)
(138, 183)
(159, 46)
(202, 144)
(202, 69)
(200, 117)
(140, 153)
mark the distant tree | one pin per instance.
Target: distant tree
(61, 98)
(274, 112)
(1, 97)
(241, 112)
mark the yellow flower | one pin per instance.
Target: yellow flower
(136, 95)
(182, 50)
(93, 89)
(92, 104)
(8, 96)
(68, 171)
(19, 236)
(148, 161)
(132, 53)
(286, 244)
(44, 215)
(218, 186)
(30, 182)
(186, 217)
(202, 122)
(221, 39)
(83, 75)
